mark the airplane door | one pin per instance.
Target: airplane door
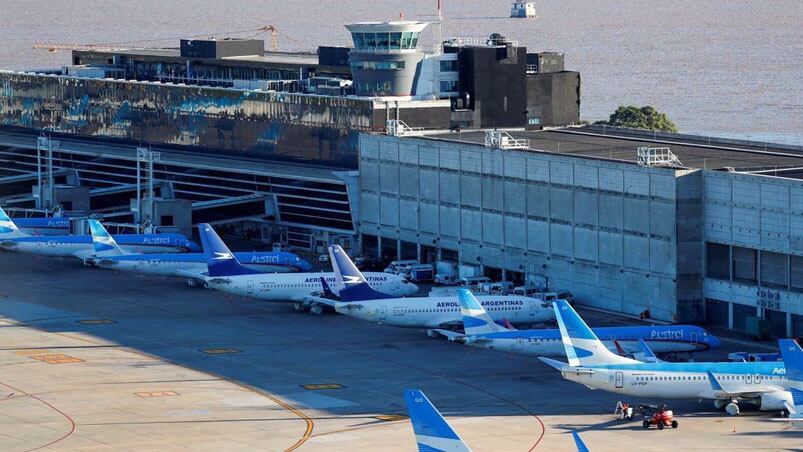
(620, 380)
(693, 337)
(757, 378)
(383, 312)
(532, 309)
(249, 287)
(748, 379)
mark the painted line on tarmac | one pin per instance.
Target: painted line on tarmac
(65, 415)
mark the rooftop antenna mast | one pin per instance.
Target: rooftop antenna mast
(440, 25)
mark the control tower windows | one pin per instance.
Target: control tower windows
(385, 42)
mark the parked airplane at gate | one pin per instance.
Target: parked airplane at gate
(727, 384)
(482, 332)
(360, 301)
(44, 226)
(189, 265)
(12, 239)
(227, 274)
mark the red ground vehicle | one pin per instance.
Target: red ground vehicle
(661, 417)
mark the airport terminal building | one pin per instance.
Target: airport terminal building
(690, 231)
(392, 149)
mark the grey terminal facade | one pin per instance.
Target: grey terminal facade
(695, 241)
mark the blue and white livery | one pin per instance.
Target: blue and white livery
(727, 384)
(44, 226)
(360, 301)
(189, 265)
(12, 239)
(227, 274)
(432, 432)
(482, 331)
(793, 360)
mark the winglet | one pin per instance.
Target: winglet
(581, 446)
(102, 241)
(619, 348)
(475, 319)
(7, 227)
(353, 285)
(714, 382)
(219, 258)
(327, 291)
(649, 356)
(432, 432)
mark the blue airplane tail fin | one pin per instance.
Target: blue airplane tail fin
(581, 446)
(475, 319)
(220, 261)
(583, 347)
(352, 284)
(432, 432)
(792, 358)
(7, 227)
(102, 241)
(797, 397)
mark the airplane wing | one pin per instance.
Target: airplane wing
(738, 389)
(192, 274)
(451, 335)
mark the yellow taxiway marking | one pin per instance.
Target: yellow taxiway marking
(220, 351)
(157, 394)
(57, 359)
(322, 386)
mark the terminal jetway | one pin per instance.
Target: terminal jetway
(216, 189)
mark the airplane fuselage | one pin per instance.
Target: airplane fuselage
(297, 286)
(437, 312)
(661, 339)
(688, 380)
(195, 263)
(80, 245)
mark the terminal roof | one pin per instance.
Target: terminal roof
(694, 152)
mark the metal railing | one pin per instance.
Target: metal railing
(663, 156)
(499, 139)
(398, 128)
(477, 41)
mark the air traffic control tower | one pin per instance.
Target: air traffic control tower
(385, 59)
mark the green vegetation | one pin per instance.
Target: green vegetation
(647, 118)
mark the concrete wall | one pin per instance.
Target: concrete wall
(757, 212)
(604, 230)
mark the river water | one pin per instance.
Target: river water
(721, 67)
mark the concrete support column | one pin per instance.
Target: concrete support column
(378, 246)
(418, 251)
(398, 249)
(730, 315)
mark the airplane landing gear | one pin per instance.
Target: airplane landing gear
(316, 309)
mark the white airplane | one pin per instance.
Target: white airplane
(226, 274)
(727, 384)
(361, 301)
(12, 239)
(109, 255)
(482, 332)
